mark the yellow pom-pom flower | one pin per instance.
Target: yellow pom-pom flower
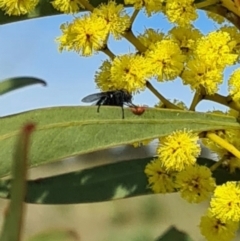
(166, 59)
(234, 85)
(179, 150)
(185, 37)
(67, 6)
(151, 6)
(216, 49)
(195, 183)
(235, 35)
(84, 35)
(181, 12)
(18, 7)
(214, 229)
(150, 37)
(225, 203)
(198, 74)
(160, 180)
(115, 16)
(130, 72)
(103, 77)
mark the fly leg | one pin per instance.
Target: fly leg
(122, 112)
(100, 102)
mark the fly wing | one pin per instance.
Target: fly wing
(94, 97)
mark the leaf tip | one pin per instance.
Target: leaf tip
(29, 127)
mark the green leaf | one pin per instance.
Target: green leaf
(13, 222)
(102, 183)
(174, 234)
(11, 84)
(56, 235)
(68, 131)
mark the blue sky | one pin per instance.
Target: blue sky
(28, 48)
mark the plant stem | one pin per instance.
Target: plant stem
(230, 6)
(222, 11)
(134, 41)
(206, 3)
(134, 15)
(167, 103)
(224, 144)
(108, 52)
(224, 100)
(217, 164)
(196, 99)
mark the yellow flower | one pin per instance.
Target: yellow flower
(103, 77)
(234, 85)
(214, 229)
(225, 204)
(130, 72)
(160, 180)
(179, 150)
(84, 35)
(195, 183)
(115, 16)
(166, 59)
(151, 6)
(185, 37)
(235, 36)
(150, 37)
(67, 6)
(216, 49)
(18, 7)
(181, 12)
(197, 74)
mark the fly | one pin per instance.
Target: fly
(112, 98)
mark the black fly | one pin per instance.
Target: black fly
(113, 98)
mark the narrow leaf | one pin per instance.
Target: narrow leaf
(13, 222)
(11, 84)
(174, 234)
(103, 183)
(69, 131)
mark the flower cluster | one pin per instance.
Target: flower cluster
(214, 229)
(18, 7)
(183, 52)
(176, 165)
(88, 34)
(70, 7)
(212, 53)
(179, 150)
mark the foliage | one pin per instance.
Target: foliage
(184, 52)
